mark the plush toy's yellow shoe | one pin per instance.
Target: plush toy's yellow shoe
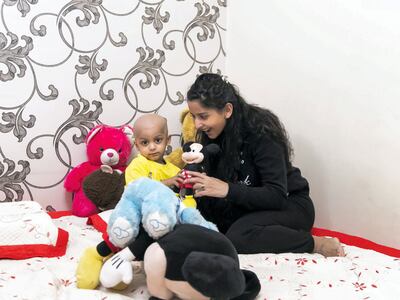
(189, 201)
(88, 271)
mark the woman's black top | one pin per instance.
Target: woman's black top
(265, 181)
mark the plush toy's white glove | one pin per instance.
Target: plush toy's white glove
(117, 269)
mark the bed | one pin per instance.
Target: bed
(361, 274)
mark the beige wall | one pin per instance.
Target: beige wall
(331, 71)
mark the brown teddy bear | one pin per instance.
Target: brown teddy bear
(104, 187)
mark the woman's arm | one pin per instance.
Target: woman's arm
(270, 165)
(204, 185)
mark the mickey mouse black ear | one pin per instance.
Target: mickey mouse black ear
(214, 275)
(186, 147)
(253, 286)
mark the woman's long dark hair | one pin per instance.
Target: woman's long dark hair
(213, 92)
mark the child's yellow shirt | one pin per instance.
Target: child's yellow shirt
(142, 167)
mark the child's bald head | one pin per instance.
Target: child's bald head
(151, 136)
(150, 122)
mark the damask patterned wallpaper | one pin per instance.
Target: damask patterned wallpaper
(66, 66)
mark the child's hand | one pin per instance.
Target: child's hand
(173, 181)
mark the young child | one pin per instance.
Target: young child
(151, 140)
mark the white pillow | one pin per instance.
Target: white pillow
(26, 230)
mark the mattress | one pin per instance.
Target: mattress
(361, 274)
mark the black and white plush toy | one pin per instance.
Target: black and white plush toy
(193, 262)
(195, 156)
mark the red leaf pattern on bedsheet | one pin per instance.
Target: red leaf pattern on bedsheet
(65, 282)
(360, 275)
(301, 261)
(359, 286)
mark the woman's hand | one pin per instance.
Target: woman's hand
(204, 185)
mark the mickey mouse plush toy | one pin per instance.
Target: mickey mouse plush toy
(195, 156)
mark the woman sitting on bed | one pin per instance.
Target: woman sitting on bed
(251, 190)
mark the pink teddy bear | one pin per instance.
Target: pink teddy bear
(106, 145)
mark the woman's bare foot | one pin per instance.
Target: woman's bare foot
(327, 246)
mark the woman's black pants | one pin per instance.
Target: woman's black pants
(276, 231)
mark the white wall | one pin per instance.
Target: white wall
(331, 71)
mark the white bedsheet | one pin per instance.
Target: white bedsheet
(362, 274)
